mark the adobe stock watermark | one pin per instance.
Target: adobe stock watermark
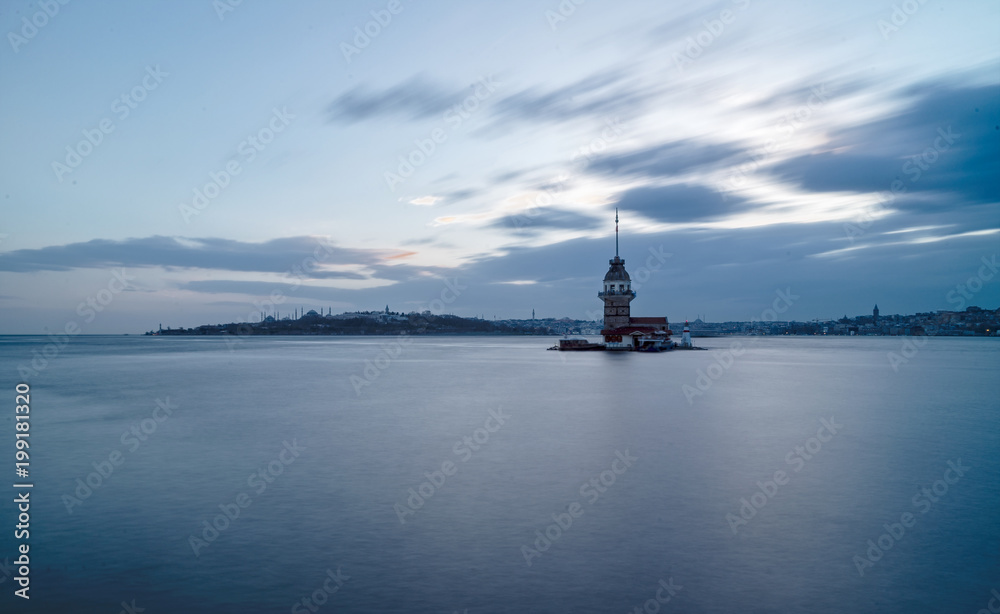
(332, 582)
(908, 349)
(914, 168)
(786, 127)
(131, 439)
(297, 273)
(122, 107)
(464, 449)
(899, 17)
(923, 501)
(591, 490)
(392, 350)
(371, 29)
(542, 200)
(990, 608)
(88, 310)
(654, 263)
(425, 148)
(612, 131)
(725, 359)
(222, 7)
(131, 608)
(247, 151)
(652, 606)
(259, 481)
(911, 346)
(714, 28)
(562, 12)
(388, 352)
(30, 26)
(796, 458)
(975, 283)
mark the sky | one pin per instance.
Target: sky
(198, 162)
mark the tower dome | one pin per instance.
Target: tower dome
(617, 271)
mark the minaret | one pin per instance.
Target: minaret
(617, 292)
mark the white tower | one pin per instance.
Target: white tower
(686, 336)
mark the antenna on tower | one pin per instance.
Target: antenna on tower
(616, 232)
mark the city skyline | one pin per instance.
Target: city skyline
(369, 153)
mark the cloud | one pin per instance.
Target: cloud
(463, 194)
(598, 95)
(946, 140)
(420, 241)
(274, 256)
(262, 288)
(680, 203)
(665, 160)
(836, 172)
(415, 98)
(425, 201)
(728, 273)
(508, 176)
(538, 219)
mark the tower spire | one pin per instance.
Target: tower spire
(616, 232)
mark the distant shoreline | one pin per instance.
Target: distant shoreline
(539, 335)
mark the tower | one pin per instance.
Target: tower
(875, 314)
(617, 292)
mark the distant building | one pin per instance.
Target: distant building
(875, 314)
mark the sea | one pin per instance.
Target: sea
(486, 474)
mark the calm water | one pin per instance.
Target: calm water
(329, 504)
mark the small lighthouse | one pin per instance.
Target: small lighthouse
(686, 336)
